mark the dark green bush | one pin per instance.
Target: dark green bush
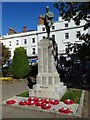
(33, 70)
(20, 65)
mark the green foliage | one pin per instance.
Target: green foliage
(24, 94)
(5, 54)
(77, 11)
(73, 94)
(20, 64)
(33, 70)
(6, 71)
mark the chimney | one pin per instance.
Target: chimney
(24, 29)
(11, 31)
(40, 20)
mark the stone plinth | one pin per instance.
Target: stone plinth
(48, 81)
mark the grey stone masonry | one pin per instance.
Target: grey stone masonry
(48, 81)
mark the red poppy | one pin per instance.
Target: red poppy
(9, 102)
(45, 106)
(54, 102)
(31, 99)
(28, 102)
(39, 99)
(64, 110)
(38, 103)
(35, 99)
(32, 102)
(23, 103)
(68, 101)
(48, 101)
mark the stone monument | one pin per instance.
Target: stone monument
(48, 83)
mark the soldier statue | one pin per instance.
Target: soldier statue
(48, 20)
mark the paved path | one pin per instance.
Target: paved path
(12, 88)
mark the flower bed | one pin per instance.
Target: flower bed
(44, 104)
(6, 78)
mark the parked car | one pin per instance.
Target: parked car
(7, 64)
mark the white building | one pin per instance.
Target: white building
(63, 32)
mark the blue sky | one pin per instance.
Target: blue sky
(19, 14)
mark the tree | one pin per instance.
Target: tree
(77, 11)
(20, 64)
(5, 54)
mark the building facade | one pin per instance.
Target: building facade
(63, 32)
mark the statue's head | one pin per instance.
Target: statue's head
(47, 8)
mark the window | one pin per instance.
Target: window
(33, 51)
(53, 27)
(43, 29)
(43, 37)
(26, 51)
(53, 37)
(78, 34)
(66, 24)
(33, 40)
(25, 41)
(17, 42)
(66, 35)
(9, 43)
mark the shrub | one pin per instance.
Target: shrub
(20, 64)
(33, 70)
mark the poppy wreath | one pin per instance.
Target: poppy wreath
(22, 103)
(68, 101)
(31, 99)
(9, 102)
(38, 103)
(40, 99)
(30, 102)
(64, 110)
(45, 106)
(47, 101)
(54, 102)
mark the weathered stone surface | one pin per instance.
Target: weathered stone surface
(48, 81)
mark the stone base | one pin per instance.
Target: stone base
(48, 91)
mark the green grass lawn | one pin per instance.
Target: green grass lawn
(73, 94)
(24, 94)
